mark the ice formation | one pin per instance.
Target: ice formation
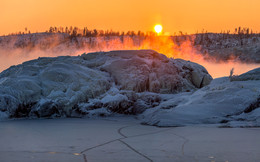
(118, 81)
(164, 91)
(231, 101)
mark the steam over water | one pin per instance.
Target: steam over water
(222, 69)
(216, 69)
(13, 56)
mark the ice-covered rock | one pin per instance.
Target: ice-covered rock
(118, 81)
(251, 75)
(222, 101)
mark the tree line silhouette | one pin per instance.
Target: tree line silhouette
(93, 40)
(85, 32)
(204, 39)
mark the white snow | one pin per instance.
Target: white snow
(220, 101)
(70, 86)
(166, 91)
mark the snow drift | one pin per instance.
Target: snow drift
(126, 82)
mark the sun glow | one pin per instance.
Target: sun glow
(158, 29)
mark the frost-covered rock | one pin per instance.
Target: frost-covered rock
(117, 81)
(233, 103)
(251, 75)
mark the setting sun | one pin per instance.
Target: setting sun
(158, 28)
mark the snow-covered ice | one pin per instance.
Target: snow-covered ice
(123, 139)
(155, 90)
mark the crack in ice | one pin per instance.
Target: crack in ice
(133, 149)
(183, 144)
(119, 131)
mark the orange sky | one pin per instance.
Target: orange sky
(175, 15)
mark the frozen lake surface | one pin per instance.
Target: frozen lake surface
(123, 139)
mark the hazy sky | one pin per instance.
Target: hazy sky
(175, 15)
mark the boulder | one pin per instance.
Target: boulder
(62, 85)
